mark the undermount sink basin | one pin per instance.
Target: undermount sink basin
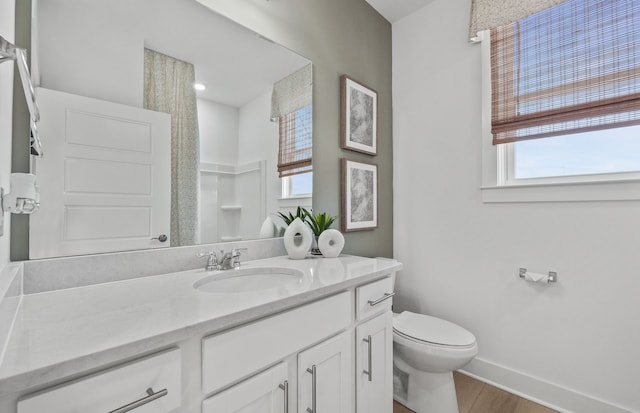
(249, 279)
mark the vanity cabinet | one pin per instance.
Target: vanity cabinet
(150, 385)
(327, 370)
(320, 354)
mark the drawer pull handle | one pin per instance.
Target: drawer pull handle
(285, 386)
(141, 402)
(379, 300)
(369, 358)
(312, 370)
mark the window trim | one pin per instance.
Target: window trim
(497, 188)
(286, 189)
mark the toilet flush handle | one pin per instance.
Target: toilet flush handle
(379, 300)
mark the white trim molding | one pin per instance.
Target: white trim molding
(622, 190)
(540, 391)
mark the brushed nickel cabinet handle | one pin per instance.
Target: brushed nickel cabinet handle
(369, 372)
(285, 386)
(379, 300)
(312, 370)
(141, 402)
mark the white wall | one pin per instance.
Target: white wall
(218, 127)
(257, 141)
(7, 22)
(87, 66)
(462, 256)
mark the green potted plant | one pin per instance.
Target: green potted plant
(289, 218)
(318, 223)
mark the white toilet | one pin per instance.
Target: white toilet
(426, 351)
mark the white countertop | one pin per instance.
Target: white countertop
(62, 333)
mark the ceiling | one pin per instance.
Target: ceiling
(394, 10)
(234, 63)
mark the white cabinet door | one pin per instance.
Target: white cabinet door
(266, 392)
(374, 365)
(325, 375)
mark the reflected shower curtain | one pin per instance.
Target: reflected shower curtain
(168, 87)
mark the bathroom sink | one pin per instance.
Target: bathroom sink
(249, 279)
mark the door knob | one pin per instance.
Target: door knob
(161, 238)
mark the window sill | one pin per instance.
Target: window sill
(292, 202)
(620, 190)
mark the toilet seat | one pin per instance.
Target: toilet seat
(426, 329)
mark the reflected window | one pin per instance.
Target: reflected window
(297, 186)
(296, 130)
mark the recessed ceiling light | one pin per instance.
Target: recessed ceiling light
(199, 86)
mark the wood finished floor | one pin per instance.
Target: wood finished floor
(477, 397)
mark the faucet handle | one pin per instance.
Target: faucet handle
(235, 255)
(212, 262)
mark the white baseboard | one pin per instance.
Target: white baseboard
(539, 391)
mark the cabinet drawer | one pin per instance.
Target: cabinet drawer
(232, 355)
(115, 388)
(371, 298)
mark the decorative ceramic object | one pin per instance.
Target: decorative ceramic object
(268, 229)
(297, 240)
(331, 243)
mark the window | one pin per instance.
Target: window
(565, 98)
(297, 186)
(296, 131)
(291, 107)
(294, 158)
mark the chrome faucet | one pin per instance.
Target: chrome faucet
(231, 260)
(212, 262)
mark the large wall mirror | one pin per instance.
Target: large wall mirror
(101, 156)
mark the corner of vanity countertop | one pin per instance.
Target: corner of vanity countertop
(11, 293)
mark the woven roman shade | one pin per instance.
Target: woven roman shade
(295, 151)
(291, 107)
(292, 93)
(487, 14)
(572, 68)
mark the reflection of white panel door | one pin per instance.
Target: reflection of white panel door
(104, 180)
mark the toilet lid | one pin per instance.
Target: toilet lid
(431, 330)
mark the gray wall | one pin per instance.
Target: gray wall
(20, 147)
(340, 37)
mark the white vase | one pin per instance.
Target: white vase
(297, 239)
(331, 243)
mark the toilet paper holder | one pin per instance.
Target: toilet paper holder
(552, 276)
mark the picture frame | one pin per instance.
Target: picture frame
(359, 117)
(359, 195)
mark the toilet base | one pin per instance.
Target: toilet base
(424, 392)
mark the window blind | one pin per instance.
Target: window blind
(572, 68)
(295, 149)
(486, 14)
(292, 92)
